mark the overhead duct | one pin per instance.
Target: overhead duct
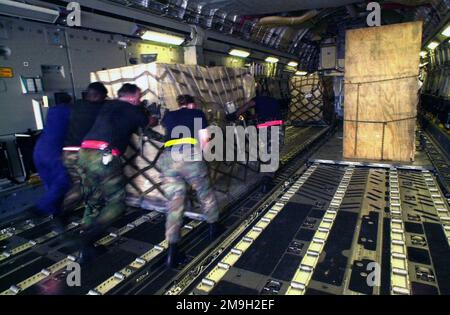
(267, 7)
(351, 10)
(411, 3)
(287, 21)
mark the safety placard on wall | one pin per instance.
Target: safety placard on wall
(31, 84)
(6, 72)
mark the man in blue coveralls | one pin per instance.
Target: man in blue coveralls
(48, 159)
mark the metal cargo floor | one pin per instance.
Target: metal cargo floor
(318, 231)
(324, 234)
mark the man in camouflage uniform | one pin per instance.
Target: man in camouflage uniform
(181, 163)
(82, 116)
(102, 178)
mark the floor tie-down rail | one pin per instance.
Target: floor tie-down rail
(342, 228)
(133, 247)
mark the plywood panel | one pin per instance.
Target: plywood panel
(382, 67)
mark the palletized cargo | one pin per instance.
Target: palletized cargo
(161, 83)
(307, 99)
(381, 92)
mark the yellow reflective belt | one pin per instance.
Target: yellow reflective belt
(180, 141)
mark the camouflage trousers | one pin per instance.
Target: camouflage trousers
(176, 174)
(102, 186)
(73, 197)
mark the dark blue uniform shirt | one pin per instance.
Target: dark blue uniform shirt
(115, 123)
(267, 108)
(82, 116)
(184, 117)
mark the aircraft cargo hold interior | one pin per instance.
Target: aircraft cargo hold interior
(169, 147)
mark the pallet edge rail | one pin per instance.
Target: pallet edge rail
(307, 265)
(188, 277)
(400, 280)
(59, 265)
(233, 255)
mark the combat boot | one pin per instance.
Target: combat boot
(60, 222)
(267, 184)
(173, 256)
(215, 229)
(89, 251)
(33, 213)
(87, 254)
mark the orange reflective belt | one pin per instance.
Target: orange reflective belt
(270, 124)
(99, 145)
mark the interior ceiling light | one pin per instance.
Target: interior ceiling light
(433, 45)
(162, 38)
(239, 53)
(301, 73)
(272, 60)
(446, 32)
(293, 64)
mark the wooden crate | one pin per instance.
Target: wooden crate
(381, 92)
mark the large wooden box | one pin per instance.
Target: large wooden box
(381, 92)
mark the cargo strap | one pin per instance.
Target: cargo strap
(357, 120)
(383, 80)
(173, 142)
(269, 124)
(98, 145)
